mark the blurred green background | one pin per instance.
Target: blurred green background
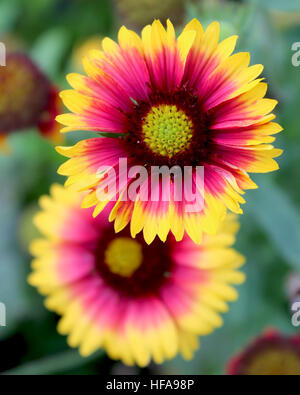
(52, 32)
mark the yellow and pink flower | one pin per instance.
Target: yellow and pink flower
(137, 301)
(170, 101)
(272, 353)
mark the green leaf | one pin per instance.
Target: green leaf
(280, 219)
(280, 5)
(58, 363)
(112, 135)
(9, 12)
(49, 50)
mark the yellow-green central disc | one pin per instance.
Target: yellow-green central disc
(275, 362)
(123, 256)
(167, 130)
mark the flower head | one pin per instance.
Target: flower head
(137, 301)
(172, 103)
(28, 99)
(270, 354)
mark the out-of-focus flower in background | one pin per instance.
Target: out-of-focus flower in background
(136, 301)
(135, 14)
(12, 43)
(285, 20)
(272, 353)
(82, 49)
(28, 98)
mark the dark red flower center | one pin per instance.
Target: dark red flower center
(130, 265)
(169, 129)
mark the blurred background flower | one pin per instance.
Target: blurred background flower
(135, 14)
(28, 98)
(136, 301)
(272, 353)
(83, 48)
(48, 32)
